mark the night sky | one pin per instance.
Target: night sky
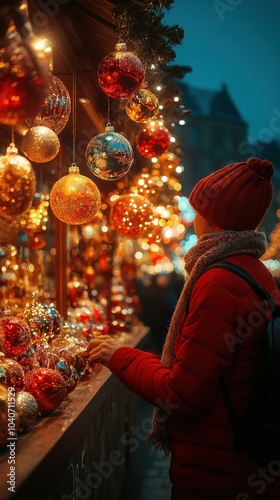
(236, 42)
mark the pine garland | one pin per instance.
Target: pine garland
(139, 23)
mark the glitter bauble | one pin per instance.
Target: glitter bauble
(18, 183)
(168, 163)
(28, 359)
(5, 376)
(131, 214)
(4, 434)
(40, 144)
(142, 106)
(71, 349)
(15, 334)
(144, 185)
(109, 155)
(24, 74)
(52, 360)
(48, 388)
(16, 373)
(56, 108)
(75, 198)
(153, 140)
(38, 320)
(27, 409)
(57, 321)
(120, 73)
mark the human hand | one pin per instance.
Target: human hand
(101, 349)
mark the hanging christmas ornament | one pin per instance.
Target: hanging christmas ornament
(153, 140)
(15, 334)
(24, 73)
(38, 320)
(75, 198)
(48, 388)
(142, 106)
(109, 155)
(131, 214)
(40, 144)
(27, 409)
(168, 163)
(18, 183)
(120, 73)
(56, 108)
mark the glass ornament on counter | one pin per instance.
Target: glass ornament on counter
(4, 405)
(72, 349)
(28, 359)
(131, 214)
(27, 409)
(15, 334)
(39, 320)
(18, 184)
(120, 73)
(50, 359)
(48, 387)
(142, 106)
(153, 140)
(109, 155)
(75, 199)
(40, 144)
(57, 320)
(56, 108)
(24, 72)
(14, 372)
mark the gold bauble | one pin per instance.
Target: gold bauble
(131, 214)
(18, 183)
(168, 163)
(142, 106)
(40, 144)
(38, 319)
(75, 199)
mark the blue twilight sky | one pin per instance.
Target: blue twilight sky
(236, 42)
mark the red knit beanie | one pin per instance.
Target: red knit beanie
(236, 196)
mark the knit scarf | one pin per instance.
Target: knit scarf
(209, 249)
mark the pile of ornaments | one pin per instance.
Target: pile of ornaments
(41, 362)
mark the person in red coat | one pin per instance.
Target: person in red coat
(212, 335)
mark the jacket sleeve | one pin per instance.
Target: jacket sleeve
(205, 347)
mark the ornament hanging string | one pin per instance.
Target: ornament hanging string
(109, 111)
(74, 97)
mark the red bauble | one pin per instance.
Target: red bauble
(24, 73)
(131, 214)
(15, 334)
(48, 388)
(153, 140)
(120, 73)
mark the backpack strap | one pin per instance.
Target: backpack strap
(234, 268)
(230, 266)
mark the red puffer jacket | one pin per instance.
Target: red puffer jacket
(215, 338)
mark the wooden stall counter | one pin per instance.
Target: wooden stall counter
(80, 450)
